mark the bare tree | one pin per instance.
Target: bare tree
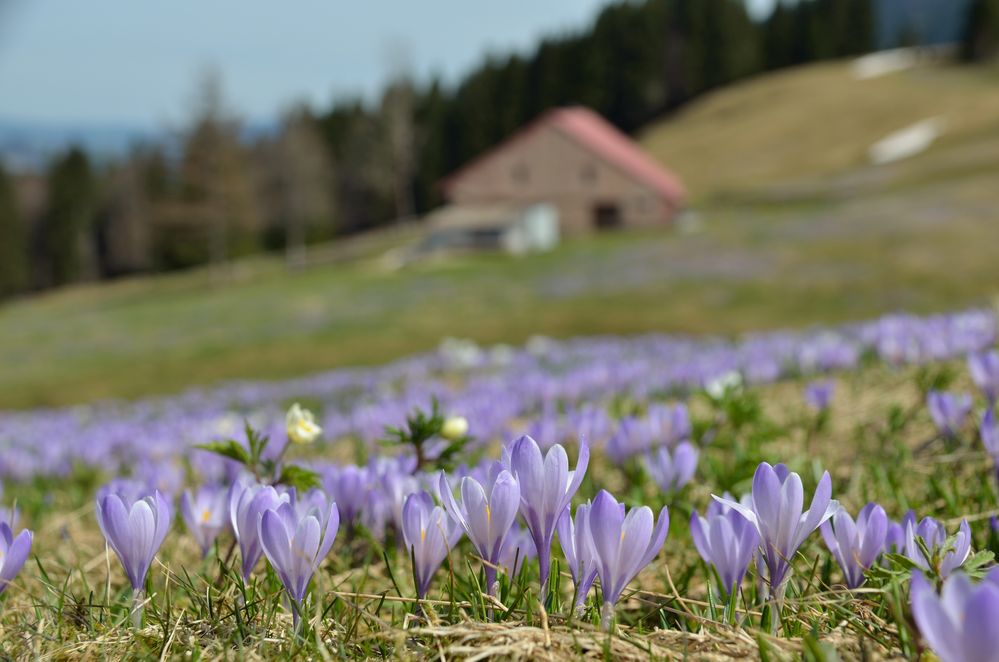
(217, 185)
(304, 183)
(397, 108)
(397, 111)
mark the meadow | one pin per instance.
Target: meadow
(742, 355)
(887, 407)
(791, 227)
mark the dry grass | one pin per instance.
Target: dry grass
(76, 612)
(815, 121)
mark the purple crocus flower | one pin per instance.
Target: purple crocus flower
(13, 553)
(546, 488)
(429, 534)
(135, 531)
(578, 551)
(934, 536)
(349, 487)
(960, 623)
(295, 545)
(948, 410)
(777, 515)
(895, 538)
(984, 369)
(672, 470)
(205, 514)
(726, 540)
(818, 394)
(486, 513)
(856, 545)
(623, 544)
(246, 504)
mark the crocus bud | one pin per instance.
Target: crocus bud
(454, 428)
(301, 424)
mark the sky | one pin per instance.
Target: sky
(137, 62)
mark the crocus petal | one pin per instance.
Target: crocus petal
(981, 636)
(745, 511)
(933, 621)
(14, 558)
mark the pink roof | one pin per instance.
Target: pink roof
(596, 134)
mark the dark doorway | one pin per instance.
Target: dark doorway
(606, 216)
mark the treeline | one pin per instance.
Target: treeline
(212, 194)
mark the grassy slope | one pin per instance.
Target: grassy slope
(837, 240)
(818, 121)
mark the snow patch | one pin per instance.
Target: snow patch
(882, 63)
(906, 142)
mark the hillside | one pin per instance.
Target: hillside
(796, 230)
(818, 121)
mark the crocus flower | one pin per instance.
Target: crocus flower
(546, 488)
(13, 553)
(948, 410)
(296, 543)
(301, 425)
(726, 540)
(895, 538)
(486, 513)
(135, 531)
(960, 623)
(246, 504)
(776, 513)
(622, 544)
(349, 487)
(818, 394)
(672, 470)
(984, 369)
(856, 545)
(934, 536)
(429, 534)
(205, 514)
(577, 548)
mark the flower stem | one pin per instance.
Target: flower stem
(607, 616)
(138, 598)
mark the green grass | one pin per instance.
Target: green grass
(797, 231)
(755, 266)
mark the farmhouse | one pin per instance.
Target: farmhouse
(593, 175)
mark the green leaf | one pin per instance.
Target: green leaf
(229, 448)
(256, 441)
(298, 477)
